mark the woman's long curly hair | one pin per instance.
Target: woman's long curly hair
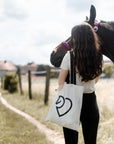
(88, 58)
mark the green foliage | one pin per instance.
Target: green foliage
(10, 82)
(42, 67)
(54, 74)
(108, 70)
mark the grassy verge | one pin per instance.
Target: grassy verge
(34, 107)
(16, 130)
(37, 109)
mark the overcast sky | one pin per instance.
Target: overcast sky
(31, 29)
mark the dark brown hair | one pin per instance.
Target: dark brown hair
(88, 58)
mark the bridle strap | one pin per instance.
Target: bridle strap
(96, 26)
(66, 45)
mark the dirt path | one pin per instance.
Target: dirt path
(51, 135)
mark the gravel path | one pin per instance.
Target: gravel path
(51, 135)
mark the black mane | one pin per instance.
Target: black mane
(106, 35)
(111, 23)
(106, 31)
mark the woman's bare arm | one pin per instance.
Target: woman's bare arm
(62, 77)
(97, 78)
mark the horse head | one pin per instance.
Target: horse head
(105, 32)
(59, 52)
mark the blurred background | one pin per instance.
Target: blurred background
(31, 29)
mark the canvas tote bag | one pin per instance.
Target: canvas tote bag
(66, 107)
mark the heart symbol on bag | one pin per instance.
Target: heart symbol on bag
(61, 101)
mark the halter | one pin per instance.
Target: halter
(96, 26)
(66, 45)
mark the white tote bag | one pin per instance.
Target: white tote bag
(66, 108)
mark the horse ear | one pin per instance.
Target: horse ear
(87, 18)
(92, 15)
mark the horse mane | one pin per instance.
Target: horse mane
(111, 23)
(106, 35)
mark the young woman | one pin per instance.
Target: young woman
(88, 66)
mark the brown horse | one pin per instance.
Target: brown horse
(105, 32)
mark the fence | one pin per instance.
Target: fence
(46, 73)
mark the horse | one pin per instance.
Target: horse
(104, 31)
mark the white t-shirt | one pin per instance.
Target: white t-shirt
(89, 86)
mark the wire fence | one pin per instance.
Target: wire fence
(46, 74)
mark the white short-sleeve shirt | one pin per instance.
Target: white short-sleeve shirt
(89, 86)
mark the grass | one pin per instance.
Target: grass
(16, 130)
(37, 109)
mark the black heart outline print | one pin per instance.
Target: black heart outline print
(63, 102)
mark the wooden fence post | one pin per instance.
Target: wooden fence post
(20, 82)
(1, 82)
(47, 85)
(29, 85)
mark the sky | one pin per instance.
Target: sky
(31, 29)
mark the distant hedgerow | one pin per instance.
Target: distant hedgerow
(10, 82)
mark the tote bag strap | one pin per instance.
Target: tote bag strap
(72, 68)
